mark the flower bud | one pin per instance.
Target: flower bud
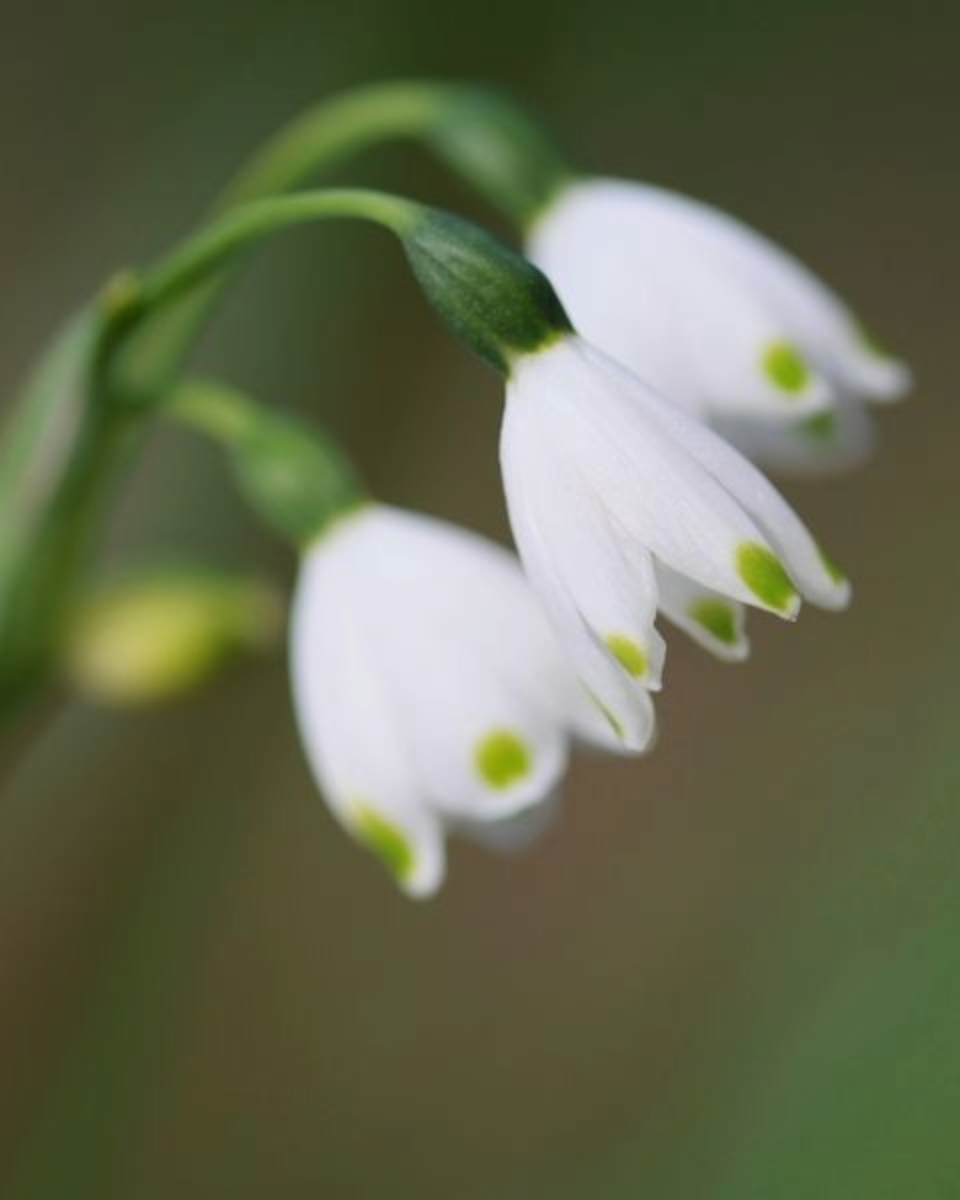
(146, 639)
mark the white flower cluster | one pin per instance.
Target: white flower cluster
(438, 685)
(719, 319)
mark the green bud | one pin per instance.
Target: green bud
(491, 297)
(149, 638)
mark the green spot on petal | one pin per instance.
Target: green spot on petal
(764, 575)
(784, 366)
(718, 618)
(385, 840)
(628, 654)
(821, 427)
(502, 758)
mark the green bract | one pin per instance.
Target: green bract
(491, 297)
(295, 477)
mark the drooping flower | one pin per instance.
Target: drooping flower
(622, 504)
(431, 693)
(718, 318)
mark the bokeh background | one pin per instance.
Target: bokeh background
(731, 971)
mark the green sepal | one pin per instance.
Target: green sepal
(298, 480)
(295, 476)
(490, 296)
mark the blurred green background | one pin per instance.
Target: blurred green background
(730, 971)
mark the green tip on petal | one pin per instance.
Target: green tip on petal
(615, 724)
(821, 427)
(628, 654)
(718, 618)
(764, 575)
(836, 575)
(384, 840)
(785, 367)
(502, 758)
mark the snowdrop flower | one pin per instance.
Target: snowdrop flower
(622, 504)
(718, 319)
(430, 691)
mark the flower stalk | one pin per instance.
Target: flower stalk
(491, 297)
(60, 458)
(121, 359)
(293, 475)
(88, 400)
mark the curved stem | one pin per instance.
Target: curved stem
(481, 135)
(479, 132)
(240, 229)
(293, 474)
(490, 296)
(335, 130)
(76, 427)
(59, 460)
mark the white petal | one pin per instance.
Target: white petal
(711, 620)
(608, 574)
(513, 834)
(637, 285)
(824, 445)
(609, 425)
(538, 515)
(349, 729)
(813, 314)
(818, 580)
(469, 694)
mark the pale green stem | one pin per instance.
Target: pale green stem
(214, 248)
(479, 132)
(292, 474)
(70, 442)
(58, 464)
(81, 416)
(73, 434)
(335, 130)
(482, 135)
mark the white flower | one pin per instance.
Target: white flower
(430, 691)
(718, 319)
(621, 503)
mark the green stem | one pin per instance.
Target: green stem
(336, 129)
(79, 420)
(76, 426)
(479, 133)
(215, 247)
(490, 296)
(295, 477)
(58, 464)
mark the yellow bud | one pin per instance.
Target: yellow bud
(149, 638)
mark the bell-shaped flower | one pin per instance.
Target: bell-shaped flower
(718, 319)
(622, 505)
(431, 692)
